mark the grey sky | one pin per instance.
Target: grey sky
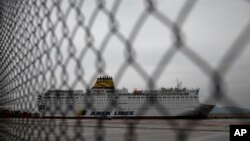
(210, 30)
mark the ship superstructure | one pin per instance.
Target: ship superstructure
(103, 100)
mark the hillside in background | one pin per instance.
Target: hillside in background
(229, 110)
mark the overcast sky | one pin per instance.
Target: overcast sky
(209, 30)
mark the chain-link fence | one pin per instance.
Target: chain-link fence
(45, 45)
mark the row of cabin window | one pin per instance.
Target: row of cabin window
(173, 98)
(60, 97)
(141, 100)
(145, 99)
(147, 102)
(165, 100)
(71, 97)
(167, 97)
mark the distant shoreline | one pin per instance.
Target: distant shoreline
(229, 115)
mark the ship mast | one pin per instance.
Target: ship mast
(179, 84)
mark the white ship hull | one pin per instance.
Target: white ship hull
(103, 100)
(137, 106)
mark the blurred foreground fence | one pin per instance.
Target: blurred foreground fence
(38, 47)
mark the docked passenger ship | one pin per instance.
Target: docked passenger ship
(103, 100)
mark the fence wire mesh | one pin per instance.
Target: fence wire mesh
(44, 43)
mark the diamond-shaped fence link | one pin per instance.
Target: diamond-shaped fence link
(45, 44)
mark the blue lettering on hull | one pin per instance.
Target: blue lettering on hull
(108, 113)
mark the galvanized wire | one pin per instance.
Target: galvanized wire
(31, 54)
